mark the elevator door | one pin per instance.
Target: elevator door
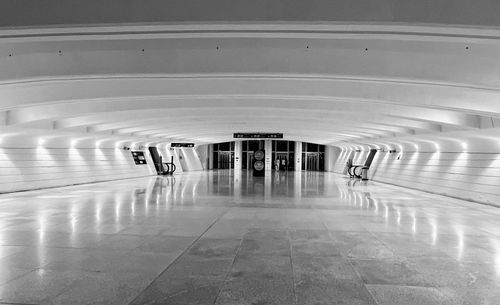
(312, 161)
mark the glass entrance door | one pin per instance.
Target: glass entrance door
(224, 161)
(283, 161)
(312, 161)
(249, 160)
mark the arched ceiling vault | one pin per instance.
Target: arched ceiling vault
(388, 73)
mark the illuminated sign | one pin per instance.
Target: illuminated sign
(258, 135)
(182, 145)
(139, 157)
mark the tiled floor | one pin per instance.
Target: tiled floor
(225, 239)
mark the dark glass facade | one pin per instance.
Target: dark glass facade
(313, 155)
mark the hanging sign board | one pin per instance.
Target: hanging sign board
(257, 135)
(177, 145)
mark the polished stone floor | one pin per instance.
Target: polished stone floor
(224, 238)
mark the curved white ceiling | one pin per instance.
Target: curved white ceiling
(322, 82)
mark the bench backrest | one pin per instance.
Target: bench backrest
(370, 157)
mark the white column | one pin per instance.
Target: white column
(298, 156)
(238, 145)
(210, 155)
(332, 154)
(268, 147)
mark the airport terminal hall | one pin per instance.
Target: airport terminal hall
(249, 152)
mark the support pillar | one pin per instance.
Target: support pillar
(238, 151)
(298, 156)
(210, 155)
(268, 147)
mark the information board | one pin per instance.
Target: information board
(139, 157)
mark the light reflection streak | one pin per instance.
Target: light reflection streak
(118, 204)
(434, 232)
(73, 225)
(42, 228)
(98, 212)
(496, 246)
(460, 247)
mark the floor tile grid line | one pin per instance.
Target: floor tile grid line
(404, 259)
(469, 204)
(17, 277)
(18, 303)
(347, 260)
(226, 279)
(364, 285)
(180, 255)
(291, 266)
(437, 289)
(356, 271)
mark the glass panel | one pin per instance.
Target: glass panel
(244, 159)
(224, 146)
(216, 147)
(304, 145)
(322, 162)
(253, 145)
(215, 160)
(281, 146)
(291, 146)
(226, 160)
(311, 147)
(232, 146)
(244, 145)
(322, 148)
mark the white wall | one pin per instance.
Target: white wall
(331, 155)
(185, 159)
(203, 154)
(472, 176)
(32, 162)
(463, 167)
(189, 159)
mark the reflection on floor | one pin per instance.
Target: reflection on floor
(225, 238)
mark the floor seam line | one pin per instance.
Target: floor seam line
(180, 255)
(362, 281)
(230, 269)
(291, 266)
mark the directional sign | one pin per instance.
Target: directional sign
(257, 135)
(182, 145)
